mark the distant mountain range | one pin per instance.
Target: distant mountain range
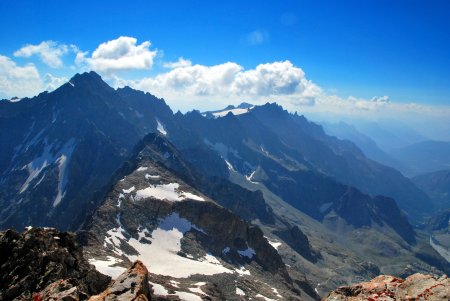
(437, 186)
(240, 196)
(367, 145)
(424, 157)
(413, 156)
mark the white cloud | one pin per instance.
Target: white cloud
(278, 78)
(24, 81)
(17, 80)
(53, 82)
(49, 52)
(229, 82)
(120, 54)
(257, 37)
(182, 62)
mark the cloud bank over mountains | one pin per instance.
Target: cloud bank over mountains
(186, 85)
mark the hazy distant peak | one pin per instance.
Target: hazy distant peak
(230, 109)
(245, 105)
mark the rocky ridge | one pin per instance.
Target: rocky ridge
(191, 245)
(45, 264)
(387, 288)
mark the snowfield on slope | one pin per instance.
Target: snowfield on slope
(161, 256)
(170, 192)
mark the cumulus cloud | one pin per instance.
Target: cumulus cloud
(49, 52)
(182, 62)
(278, 78)
(18, 80)
(120, 54)
(53, 82)
(24, 81)
(230, 81)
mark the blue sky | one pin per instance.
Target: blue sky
(354, 51)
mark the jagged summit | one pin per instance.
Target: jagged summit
(87, 80)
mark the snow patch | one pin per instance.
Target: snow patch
(71, 84)
(129, 190)
(184, 296)
(147, 176)
(275, 291)
(159, 289)
(160, 127)
(242, 271)
(239, 292)
(115, 237)
(37, 165)
(274, 243)
(237, 111)
(170, 192)
(265, 298)
(15, 99)
(230, 167)
(175, 283)
(107, 266)
(249, 178)
(197, 290)
(142, 168)
(264, 151)
(119, 200)
(63, 162)
(161, 256)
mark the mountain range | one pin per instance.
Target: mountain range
(250, 199)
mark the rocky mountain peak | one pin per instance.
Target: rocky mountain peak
(87, 78)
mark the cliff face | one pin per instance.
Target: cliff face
(414, 287)
(43, 264)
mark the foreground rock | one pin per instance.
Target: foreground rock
(130, 285)
(45, 264)
(415, 287)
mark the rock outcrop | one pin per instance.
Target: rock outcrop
(45, 264)
(130, 285)
(414, 287)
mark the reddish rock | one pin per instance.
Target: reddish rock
(131, 285)
(386, 288)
